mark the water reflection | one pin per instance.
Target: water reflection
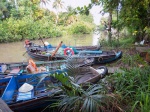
(96, 38)
(15, 52)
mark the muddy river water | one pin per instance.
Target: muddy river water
(15, 52)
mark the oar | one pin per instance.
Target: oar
(25, 53)
(53, 54)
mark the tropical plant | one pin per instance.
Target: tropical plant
(57, 4)
(75, 98)
(44, 2)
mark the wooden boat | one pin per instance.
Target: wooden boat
(24, 93)
(39, 66)
(20, 67)
(99, 56)
(49, 52)
(90, 74)
(47, 46)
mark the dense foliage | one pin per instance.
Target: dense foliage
(133, 88)
(18, 29)
(127, 90)
(26, 20)
(134, 15)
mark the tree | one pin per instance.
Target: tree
(132, 14)
(5, 8)
(57, 4)
(108, 6)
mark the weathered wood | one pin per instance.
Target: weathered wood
(112, 70)
(142, 50)
(4, 107)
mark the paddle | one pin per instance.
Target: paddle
(25, 53)
(53, 54)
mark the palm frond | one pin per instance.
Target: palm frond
(73, 66)
(45, 2)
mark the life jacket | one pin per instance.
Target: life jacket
(32, 68)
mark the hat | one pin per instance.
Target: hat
(25, 88)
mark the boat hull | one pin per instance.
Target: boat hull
(107, 59)
(100, 57)
(36, 99)
(32, 105)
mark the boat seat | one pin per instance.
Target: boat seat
(14, 71)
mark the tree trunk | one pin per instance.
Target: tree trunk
(109, 26)
(16, 5)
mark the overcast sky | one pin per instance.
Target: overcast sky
(94, 11)
(75, 3)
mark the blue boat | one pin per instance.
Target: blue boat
(24, 93)
(99, 56)
(49, 47)
(49, 52)
(28, 93)
(39, 66)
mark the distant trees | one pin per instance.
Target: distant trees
(5, 7)
(58, 4)
(30, 19)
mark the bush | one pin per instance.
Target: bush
(19, 29)
(79, 28)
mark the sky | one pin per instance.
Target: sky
(75, 3)
(94, 11)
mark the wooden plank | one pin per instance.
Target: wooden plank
(142, 50)
(112, 70)
(4, 107)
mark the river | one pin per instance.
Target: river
(15, 51)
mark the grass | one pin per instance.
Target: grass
(128, 91)
(133, 87)
(118, 43)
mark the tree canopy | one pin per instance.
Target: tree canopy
(132, 14)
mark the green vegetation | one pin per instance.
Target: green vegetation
(126, 91)
(18, 29)
(27, 20)
(130, 14)
(80, 28)
(133, 88)
(118, 43)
